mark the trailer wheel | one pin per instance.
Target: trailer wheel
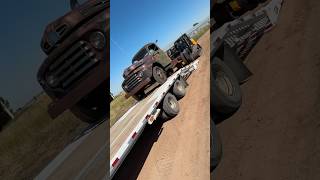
(164, 116)
(215, 146)
(159, 74)
(226, 96)
(170, 105)
(179, 89)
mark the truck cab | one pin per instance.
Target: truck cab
(75, 72)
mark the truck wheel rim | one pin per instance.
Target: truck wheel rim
(224, 83)
(159, 73)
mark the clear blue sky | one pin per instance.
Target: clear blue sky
(22, 24)
(136, 22)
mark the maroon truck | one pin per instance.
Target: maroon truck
(75, 73)
(151, 65)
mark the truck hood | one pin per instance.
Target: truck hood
(132, 68)
(59, 29)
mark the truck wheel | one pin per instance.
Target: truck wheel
(159, 74)
(179, 89)
(215, 146)
(92, 108)
(226, 96)
(90, 116)
(170, 105)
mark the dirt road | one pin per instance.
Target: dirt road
(275, 134)
(178, 148)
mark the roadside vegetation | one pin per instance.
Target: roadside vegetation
(201, 32)
(119, 106)
(33, 139)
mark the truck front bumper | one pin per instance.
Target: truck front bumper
(140, 86)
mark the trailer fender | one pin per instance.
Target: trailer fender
(239, 69)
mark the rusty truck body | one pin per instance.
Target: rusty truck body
(75, 73)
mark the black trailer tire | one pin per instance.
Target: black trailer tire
(159, 74)
(215, 147)
(170, 105)
(179, 89)
(164, 116)
(226, 96)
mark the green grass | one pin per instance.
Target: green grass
(33, 139)
(119, 106)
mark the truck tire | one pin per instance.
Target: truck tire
(170, 105)
(159, 74)
(179, 89)
(226, 96)
(92, 108)
(138, 96)
(215, 147)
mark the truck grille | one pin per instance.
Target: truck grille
(132, 82)
(73, 64)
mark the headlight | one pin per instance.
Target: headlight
(97, 40)
(52, 81)
(140, 74)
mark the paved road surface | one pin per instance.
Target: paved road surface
(178, 148)
(275, 134)
(86, 158)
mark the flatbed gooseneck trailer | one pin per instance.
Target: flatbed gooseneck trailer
(232, 39)
(161, 102)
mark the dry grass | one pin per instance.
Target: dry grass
(33, 139)
(119, 106)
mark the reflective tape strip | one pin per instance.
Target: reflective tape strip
(134, 135)
(115, 162)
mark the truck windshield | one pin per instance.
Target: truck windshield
(140, 55)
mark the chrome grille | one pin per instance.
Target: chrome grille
(132, 82)
(73, 64)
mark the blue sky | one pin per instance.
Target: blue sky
(136, 22)
(22, 24)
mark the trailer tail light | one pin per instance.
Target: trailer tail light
(134, 135)
(115, 162)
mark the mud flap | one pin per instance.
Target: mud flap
(235, 64)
